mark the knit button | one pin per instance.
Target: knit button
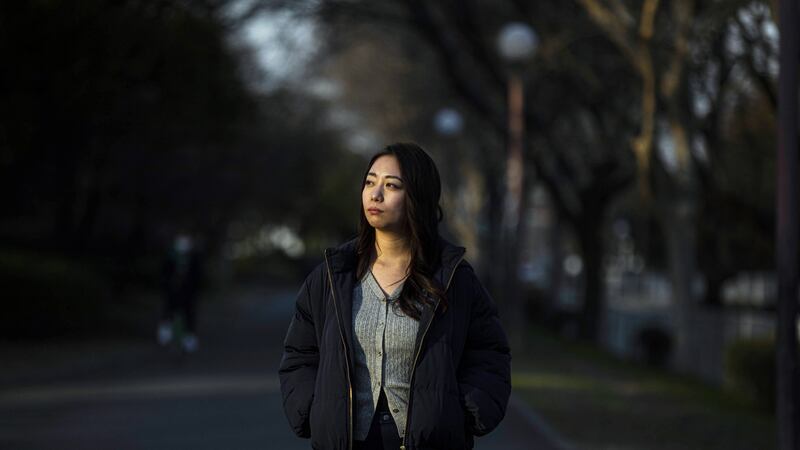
(395, 410)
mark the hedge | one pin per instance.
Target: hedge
(750, 370)
(48, 295)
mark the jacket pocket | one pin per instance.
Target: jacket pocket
(457, 430)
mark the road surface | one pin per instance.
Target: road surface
(226, 396)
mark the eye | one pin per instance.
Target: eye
(393, 186)
(368, 183)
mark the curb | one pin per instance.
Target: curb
(536, 421)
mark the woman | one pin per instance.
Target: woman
(394, 342)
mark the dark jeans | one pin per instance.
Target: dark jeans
(184, 304)
(383, 434)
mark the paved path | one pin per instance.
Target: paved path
(224, 397)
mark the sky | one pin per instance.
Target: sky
(285, 44)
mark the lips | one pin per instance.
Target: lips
(374, 210)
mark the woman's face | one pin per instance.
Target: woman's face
(383, 197)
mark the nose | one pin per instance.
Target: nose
(376, 194)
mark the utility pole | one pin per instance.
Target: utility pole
(786, 230)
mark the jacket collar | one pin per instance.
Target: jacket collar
(343, 259)
(451, 256)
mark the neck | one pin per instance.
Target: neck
(391, 247)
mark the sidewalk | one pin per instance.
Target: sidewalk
(38, 362)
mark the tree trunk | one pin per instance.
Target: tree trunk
(88, 215)
(677, 223)
(492, 242)
(592, 246)
(713, 294)
(91, 194)
(64, 224)
(556, 272)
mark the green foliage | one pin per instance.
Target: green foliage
(115, 112)
(750, 367)
(49, 296)
(123, 122)
(736, 217)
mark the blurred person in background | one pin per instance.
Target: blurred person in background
(182, 277)
(394, 343)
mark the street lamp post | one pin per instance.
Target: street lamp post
(517, 43)
(788, 372)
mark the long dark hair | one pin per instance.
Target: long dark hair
(422, 216)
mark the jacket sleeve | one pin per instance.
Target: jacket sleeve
(484, 373)
(298, 368)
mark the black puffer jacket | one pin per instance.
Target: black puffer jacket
(461, 381)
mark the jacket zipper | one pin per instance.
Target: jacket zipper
(416, 357)
(346, 360)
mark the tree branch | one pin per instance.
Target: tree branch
(448, 51)
(464, 12)
(614, 27)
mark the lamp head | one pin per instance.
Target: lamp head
(517, 42)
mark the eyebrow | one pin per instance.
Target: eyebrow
(387, 176)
